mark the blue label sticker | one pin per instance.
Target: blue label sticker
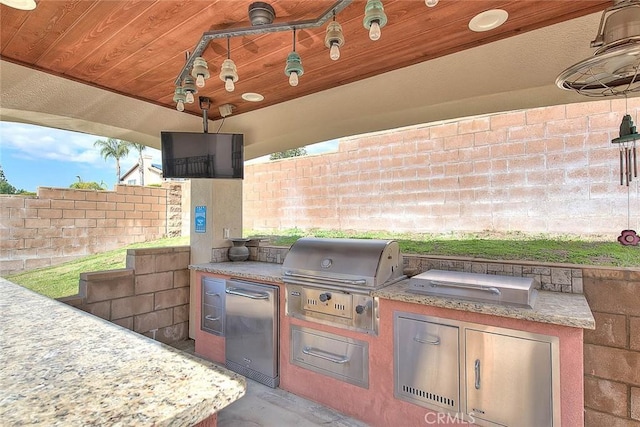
(200, 219)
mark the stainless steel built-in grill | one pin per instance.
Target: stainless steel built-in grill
(330, 281)
(497, 289)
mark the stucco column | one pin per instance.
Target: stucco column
(222, 202)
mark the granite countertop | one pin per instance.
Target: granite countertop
(550, 307)
(256, 270)
(64, 367)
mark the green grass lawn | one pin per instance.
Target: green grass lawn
(62, 280)
(497, 246)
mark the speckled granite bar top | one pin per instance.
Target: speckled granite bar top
(256, 270)
(550, 307)
(64, 367)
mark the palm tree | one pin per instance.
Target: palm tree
(139, 148)
(113, 148)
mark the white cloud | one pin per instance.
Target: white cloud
(37, 142)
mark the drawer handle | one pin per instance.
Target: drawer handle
(477, 372)
(331, 357)
(211, 318)
(423, 341)
(247, 293)
(212, 294)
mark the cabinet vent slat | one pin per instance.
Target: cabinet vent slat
(427, 396)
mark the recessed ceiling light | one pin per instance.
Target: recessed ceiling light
(488, 20)
(252, 97)
(20, 4)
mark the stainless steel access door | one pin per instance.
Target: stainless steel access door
(251, 329)
(508, 379)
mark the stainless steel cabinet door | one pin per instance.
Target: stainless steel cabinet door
(251, 327)
(508, 379)
(427, 368)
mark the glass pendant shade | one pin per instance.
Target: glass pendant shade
(334, 40)
(431, 3)
(179, 96)
(200, 71)
(228, 74)
(374, 18)
(189, 87)
(294, 66)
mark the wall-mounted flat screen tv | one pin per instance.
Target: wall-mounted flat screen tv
(202, 155)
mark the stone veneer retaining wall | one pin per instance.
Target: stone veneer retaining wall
(544, 170)
(61, 224)
(150, 296)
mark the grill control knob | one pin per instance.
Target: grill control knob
(325, 297)
(360, 309)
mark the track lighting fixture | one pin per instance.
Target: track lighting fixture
(294, 69)
(334, 39)
(374, 18)
(228, 70)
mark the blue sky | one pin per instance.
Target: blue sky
(35, 156)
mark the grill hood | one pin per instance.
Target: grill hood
(365, 263)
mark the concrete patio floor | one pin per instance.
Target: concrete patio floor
(263, 406)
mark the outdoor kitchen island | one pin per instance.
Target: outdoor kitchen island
(562, 317)
(62, 366)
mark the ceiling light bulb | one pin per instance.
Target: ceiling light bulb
(431, 3)
(180, 106)
(334, 52)
(293, 78)
(228, 84)
(189, 97)
(334, 40)
(200, 71)
(374, 31)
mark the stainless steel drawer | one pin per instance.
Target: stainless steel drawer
(333, 355)
(426, 357)
(213, 291)
(212, 319)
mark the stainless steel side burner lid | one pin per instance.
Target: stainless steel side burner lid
(504, 290)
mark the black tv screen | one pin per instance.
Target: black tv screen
(202, 155)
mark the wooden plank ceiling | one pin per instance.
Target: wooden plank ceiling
(137, 48)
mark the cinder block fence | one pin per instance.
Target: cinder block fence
(61, 224)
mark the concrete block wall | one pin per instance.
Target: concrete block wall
(61, 224)
(546, 170)
(150, 296)
(612, 350)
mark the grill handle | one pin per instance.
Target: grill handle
(331, 357)
(320, 279)
(490, 289)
